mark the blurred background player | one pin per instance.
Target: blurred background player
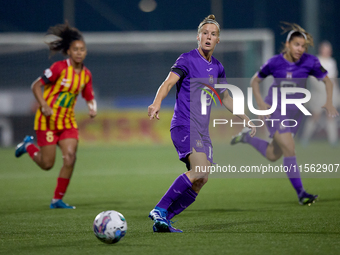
(55, 122)
(189, 128)
(289, 69)
(319, 98)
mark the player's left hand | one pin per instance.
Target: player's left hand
(331, 110)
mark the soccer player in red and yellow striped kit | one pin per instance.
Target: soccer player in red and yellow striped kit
(55, 122)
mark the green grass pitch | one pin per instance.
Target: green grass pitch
(230, 216)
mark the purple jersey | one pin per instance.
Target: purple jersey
(288, 74)
(195, 72)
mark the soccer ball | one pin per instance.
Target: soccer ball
(109, 226)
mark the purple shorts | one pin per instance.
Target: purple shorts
(184, 141)
(284, 123)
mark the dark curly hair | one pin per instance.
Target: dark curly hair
(66, 35)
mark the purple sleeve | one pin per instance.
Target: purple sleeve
(317, 70)
(265, 70)
(180, 67)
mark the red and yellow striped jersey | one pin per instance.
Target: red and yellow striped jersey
(61, 88)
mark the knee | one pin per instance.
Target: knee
(274, 157)
(274, 154)
(47, 165)
(70, 159)
(199, 183)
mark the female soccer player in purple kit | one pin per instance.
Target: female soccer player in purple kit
(289, 69)
(190, 124)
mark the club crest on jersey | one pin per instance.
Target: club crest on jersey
(199, 144)
(289, 75)
(211, 79)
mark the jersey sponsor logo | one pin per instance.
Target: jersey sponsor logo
(65, 99)
(65, 82)
(48, 73)
(209, 69)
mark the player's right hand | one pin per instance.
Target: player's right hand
(46, 110)
(153, 111)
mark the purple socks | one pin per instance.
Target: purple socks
(182, 203)
(294, 176)
(259, 144)
(176, 190)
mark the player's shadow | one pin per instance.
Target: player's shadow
(224, 226)
(218, 210)
(106, 204)
(326, 200)
(223, 210)
(291, 202)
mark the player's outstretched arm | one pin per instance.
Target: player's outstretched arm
(92, 105)
(331, 110)
(228, 103)
(163, 90)
(36, 89)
